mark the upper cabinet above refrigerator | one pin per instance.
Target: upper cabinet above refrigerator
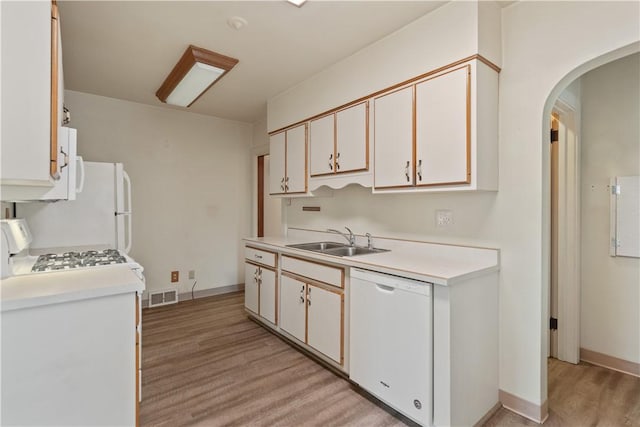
(71, 175)
(32, 92)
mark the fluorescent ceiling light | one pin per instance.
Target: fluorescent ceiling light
(297, 2)
(196, 71)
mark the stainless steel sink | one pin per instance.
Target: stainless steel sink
(317, 246)
(336, 249)
(353, 251)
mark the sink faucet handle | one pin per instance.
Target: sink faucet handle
(369, 243)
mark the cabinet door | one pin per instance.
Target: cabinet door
(251, 293)
(352, 145)
(393, 128)
(292, 306)
(442, 129)
(324, 321)
(321, 145)
(268, 294)
(277, 163)
(26, 93)
(296, 176)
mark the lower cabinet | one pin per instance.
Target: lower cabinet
(313, 314)
(324, 321)
(293, 307)
(71, 363)
(260, 291)
(260, 284)
(251, 287)
(267, 300)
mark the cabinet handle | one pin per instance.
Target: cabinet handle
(258, 256)
(309, 302)
(282, 184)
(286, 188)
(406, 171)
(419, 170)
(301, 300)
(337, 162)
(331, 161)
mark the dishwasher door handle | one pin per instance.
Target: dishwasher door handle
(384, 288)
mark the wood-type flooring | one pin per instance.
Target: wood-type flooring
(206, 364)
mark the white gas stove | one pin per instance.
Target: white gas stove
(18, 259)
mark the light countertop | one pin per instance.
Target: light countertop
(436, 263)
(31, 290)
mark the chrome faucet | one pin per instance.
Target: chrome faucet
(351, 238)
(369, 243)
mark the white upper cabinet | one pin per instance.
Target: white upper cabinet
(442, 129)
(339, 141)
(296, 177)
(352, 145)
(288, 161)
(393, 133)
(31, 93)
(277, 162)
(439, 133)
(322, 145)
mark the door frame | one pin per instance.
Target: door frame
(568, 232)
(260, 197)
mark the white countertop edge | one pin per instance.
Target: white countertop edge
(65, 297)
(360, 262)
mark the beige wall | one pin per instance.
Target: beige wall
(191, 189)
(516, 218)
(610, 146)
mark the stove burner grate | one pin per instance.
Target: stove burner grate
(69, 260)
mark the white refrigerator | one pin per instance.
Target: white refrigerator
(99, 217)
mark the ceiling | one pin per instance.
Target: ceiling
(126, 49)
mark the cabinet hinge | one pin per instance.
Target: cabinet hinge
(553, 324)
(553, 136)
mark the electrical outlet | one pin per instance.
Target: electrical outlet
(192, 274)
(444, 217)
(175, 276)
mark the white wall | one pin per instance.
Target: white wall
(191, 189)
(538, 62)
(441, 37)
(610, 293)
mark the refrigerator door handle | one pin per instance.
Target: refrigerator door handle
(127, 181)
(80, 182)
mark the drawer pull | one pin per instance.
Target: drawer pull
(258, 256)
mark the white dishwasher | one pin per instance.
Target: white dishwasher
(391, 341)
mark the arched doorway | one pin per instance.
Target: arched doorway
(568, 247)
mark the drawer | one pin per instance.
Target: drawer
(313, 270)
(260, 256)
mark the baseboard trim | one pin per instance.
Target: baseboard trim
(482, 421)
(610, 362)
(185, 296)
(536, 413)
